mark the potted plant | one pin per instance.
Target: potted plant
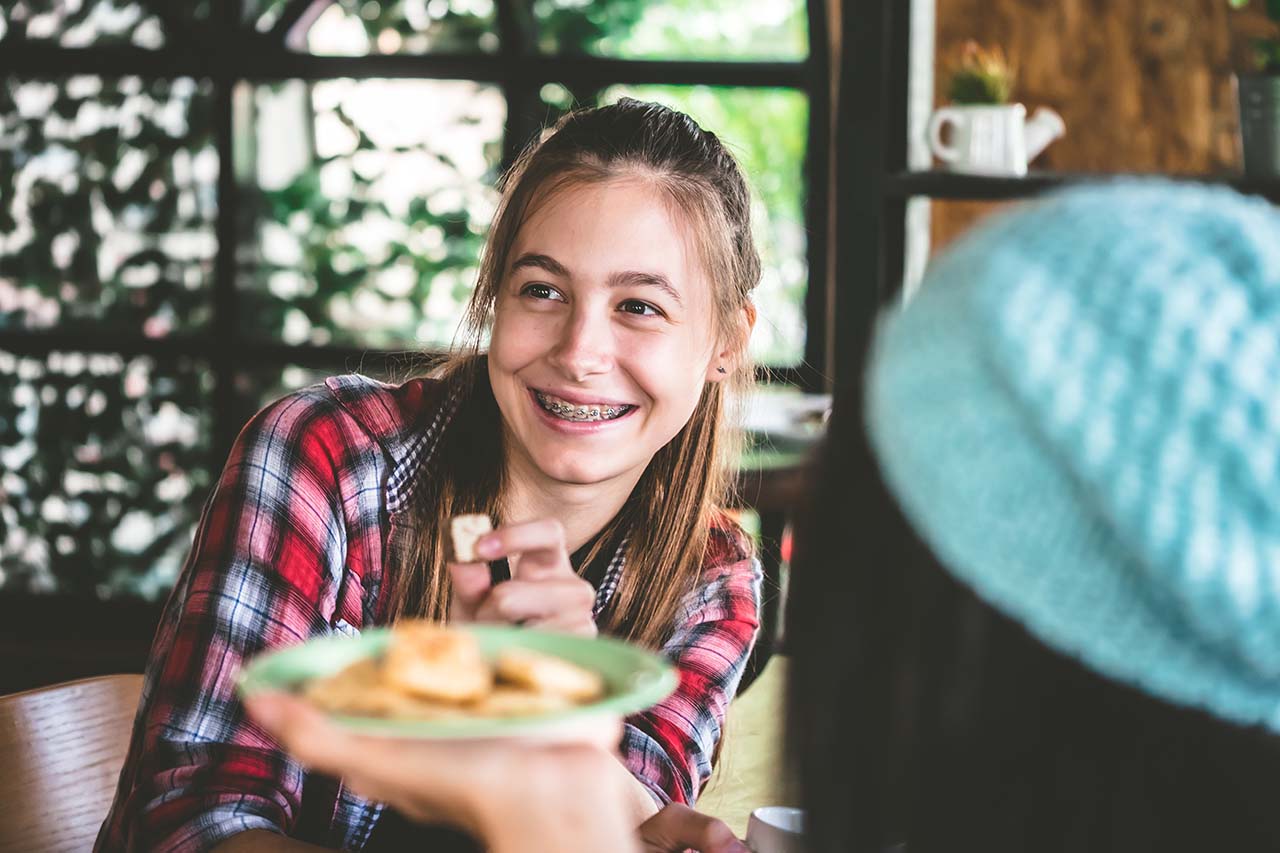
(989, 135)
(980, 75)
(1259, 96)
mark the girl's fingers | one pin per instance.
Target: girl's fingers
(540, 546)
(577, 625)
(471, 583)
(571, 599)
(679, 827)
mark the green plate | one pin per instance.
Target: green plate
(635, 679)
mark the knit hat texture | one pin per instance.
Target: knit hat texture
(1079, 412)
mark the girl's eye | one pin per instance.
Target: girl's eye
(640, 309)
(539, 291)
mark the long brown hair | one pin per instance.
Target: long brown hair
(668, 518)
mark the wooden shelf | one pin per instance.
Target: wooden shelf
(949, 185)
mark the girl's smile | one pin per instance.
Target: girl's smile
(574, 410)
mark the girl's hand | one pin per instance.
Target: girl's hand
(544, 590)
(677, 828)
(512, 795)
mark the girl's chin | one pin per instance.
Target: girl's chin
(577, 475)
(578, 469)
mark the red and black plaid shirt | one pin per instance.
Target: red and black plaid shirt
(294, 544)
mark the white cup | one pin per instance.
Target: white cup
(776, 829)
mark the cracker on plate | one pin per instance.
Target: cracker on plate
(433, 672)
(433, 662)
(548, 674)
(359, 690)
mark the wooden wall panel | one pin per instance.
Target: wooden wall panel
(1143, 85)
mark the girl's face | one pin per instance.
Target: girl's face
(603, 334)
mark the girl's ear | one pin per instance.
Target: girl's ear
(730, 358)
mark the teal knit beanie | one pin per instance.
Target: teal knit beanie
(1079, 412)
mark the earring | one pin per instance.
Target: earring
(721, 370)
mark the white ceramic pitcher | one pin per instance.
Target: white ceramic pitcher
(995, 139)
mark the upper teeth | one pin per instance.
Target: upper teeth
(571, 411)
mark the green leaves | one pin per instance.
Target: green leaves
(1267, 56)
(1266, 52)
(93, 191)
(379, 224)
(108, 227)
(106, 467)
(980, 75)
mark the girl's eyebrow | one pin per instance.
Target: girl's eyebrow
(546, 263)
(628, 278)
(633, 278)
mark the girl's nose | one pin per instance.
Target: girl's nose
(585, 347)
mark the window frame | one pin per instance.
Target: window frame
(229, 52)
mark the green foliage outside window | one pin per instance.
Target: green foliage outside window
(106, 225)
(371, 237)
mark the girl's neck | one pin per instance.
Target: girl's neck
(584, 510)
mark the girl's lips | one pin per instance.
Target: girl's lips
(574, 427)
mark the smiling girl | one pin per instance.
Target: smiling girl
(614, 293)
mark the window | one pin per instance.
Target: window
(205, 205)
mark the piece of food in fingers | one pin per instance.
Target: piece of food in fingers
(434, 662)
(464, 532)
(548, 674)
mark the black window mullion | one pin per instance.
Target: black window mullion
(862, 117)
(176, 26)
(601, 72)
(227, 408)
(204, 346)
(256, 59)
(523, 123)
(30, 59)
(816, 369)
(893, 210)
(517, 37)
(517, 29)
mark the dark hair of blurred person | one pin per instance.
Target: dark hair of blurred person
(1009, 630)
